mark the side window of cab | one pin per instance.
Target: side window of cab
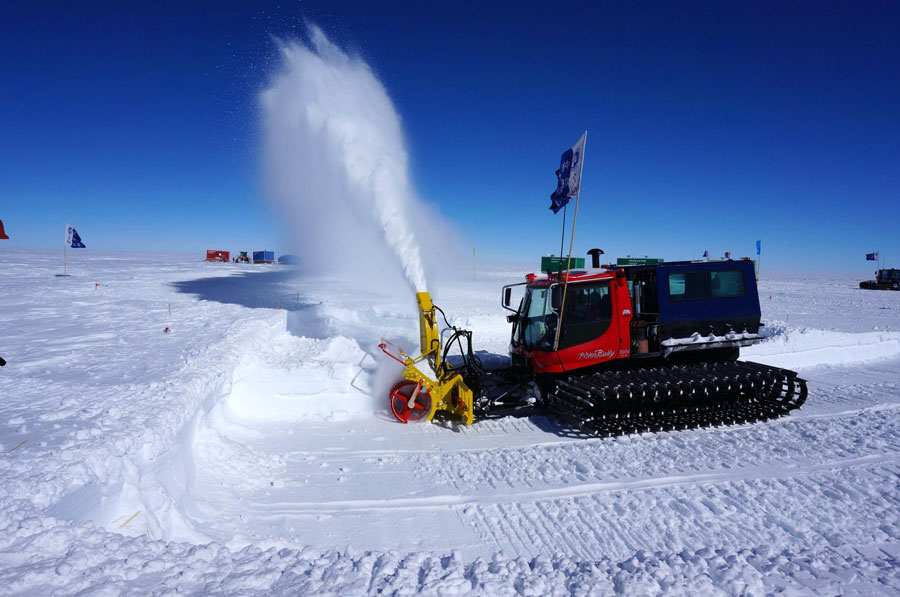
(587, 313)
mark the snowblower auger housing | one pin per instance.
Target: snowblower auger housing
(419, 395)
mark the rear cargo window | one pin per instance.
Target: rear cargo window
(687, 286)
(726, 284)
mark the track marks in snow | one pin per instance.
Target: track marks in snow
(765, 473)
(734, 486)
(785, 443)
(818, 508)
(853, 391)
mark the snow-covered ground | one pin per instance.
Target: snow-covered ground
(248, 449)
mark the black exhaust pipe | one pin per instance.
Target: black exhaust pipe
(595, 257)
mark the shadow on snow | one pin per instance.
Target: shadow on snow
(256, 290)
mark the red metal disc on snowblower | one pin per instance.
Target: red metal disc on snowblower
(400, 395)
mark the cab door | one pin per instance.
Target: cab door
(590, 333)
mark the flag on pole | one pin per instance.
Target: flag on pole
(568, 177)
(2, 231)
(758, 246)
(872, 256)
(72, 238)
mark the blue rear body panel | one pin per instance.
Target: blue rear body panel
(705, 297)
(708, 308)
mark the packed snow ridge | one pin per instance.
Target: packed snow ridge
(249, 449)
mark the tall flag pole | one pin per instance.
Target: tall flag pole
(72, 240)
(568, 185)
(562, 238)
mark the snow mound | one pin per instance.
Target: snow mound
(800, 348)
(320, 386)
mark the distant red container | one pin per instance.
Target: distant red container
(218, 256)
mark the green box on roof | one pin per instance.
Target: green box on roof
(552, 263)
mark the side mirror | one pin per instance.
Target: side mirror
(556, 298)
(507, 296)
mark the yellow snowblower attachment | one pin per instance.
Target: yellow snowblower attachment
(421, 394)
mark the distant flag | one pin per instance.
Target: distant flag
(2, 231)
(706, 254)
(758, 258)
(727, 254)
(872, 256)
(72, 238)
(568, 177)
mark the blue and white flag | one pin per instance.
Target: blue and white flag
(568, 177)
(758, 246)
(872, 256)
(72, 238)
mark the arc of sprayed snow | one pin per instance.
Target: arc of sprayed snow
(364, 134)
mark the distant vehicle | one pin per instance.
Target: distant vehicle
(263, 256)
(885, 279)
(289, 260)
(213, 255)
(242, 258)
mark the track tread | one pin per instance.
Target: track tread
(673, 397)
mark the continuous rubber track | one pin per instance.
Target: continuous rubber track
(674, 397)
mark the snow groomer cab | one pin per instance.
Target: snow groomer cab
(686, 310)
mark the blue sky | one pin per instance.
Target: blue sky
(711, 125)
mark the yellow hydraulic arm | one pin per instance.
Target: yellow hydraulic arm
(419, 395)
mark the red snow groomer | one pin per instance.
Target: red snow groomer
(640, 348)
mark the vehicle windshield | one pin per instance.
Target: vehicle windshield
(538, 319)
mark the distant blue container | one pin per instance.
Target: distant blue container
(289, 260)
(263, 256)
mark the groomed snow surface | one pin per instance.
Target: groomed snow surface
(249, 450)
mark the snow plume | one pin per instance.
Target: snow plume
(337, 166)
